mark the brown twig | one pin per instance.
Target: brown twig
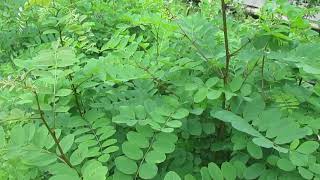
(62, 155)
(82, 111)
(227, 50)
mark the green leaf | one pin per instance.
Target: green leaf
(200, 95)
(93, 170)
(38, 158)
(246, 90)
(211, 82)
(66, 143)
(236, 83)
(126, 165)
(263, 142)
(315, 168)
(171, 175)
(64, 177)
(155, 157)
(254, 150)
(111, 149)
(254, 171)
(108, 142)
(285, 165)
(104, 158)
(214, 94)
(215, 171)
(298, 159)
(205, 173)
(208, 128)
(194, 127)
(50, 31)
(2, 138)
(306, 174)
(138, 138)
(237, 122)
(132, 151)
(294, 144)
(180, 113)
(189, 177)
(148, 171)
(78, 156)
(62, 168)
(120, 176)
(64, 92)
(228, 171)
(174, 124)
(308, 147)
(163, 146)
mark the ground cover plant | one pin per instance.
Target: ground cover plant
(153, 89)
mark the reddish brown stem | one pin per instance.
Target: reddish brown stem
(62, 155)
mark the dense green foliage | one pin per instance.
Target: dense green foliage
(151, 89)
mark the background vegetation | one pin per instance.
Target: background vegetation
(152, 89)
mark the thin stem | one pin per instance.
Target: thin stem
(300, 81)
(60, 35)
(262, 69)
(149, 148)
(54, 90)
(222, 127)
(193, 43)
(238, 50)
(226, 42)
(63, 156)
(82, 112)
(249, 73)
(262, 74)
(157, 38)
(227, 50)
(78, 85)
